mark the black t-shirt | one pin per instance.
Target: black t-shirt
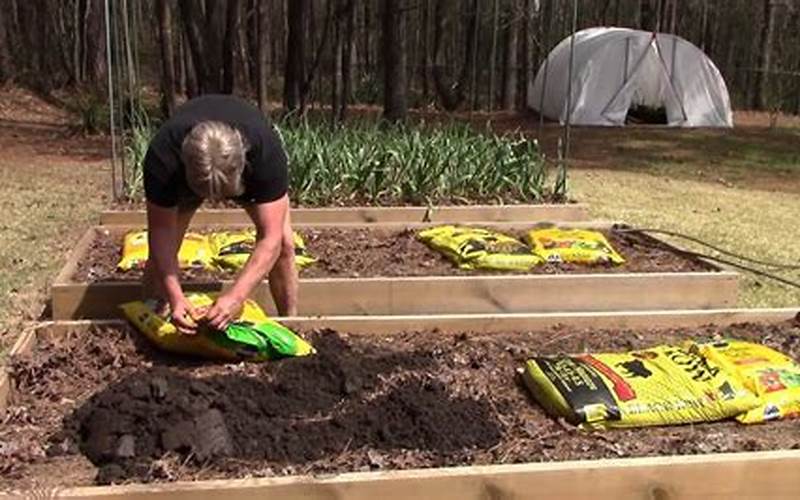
(265, 176)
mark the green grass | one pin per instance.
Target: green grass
(756, 223)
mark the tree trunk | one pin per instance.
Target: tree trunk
(367, 38)
(347, 58)
(295, 55)
(262, 49)
(228, 46)
(394, 57)
(452, 94)
(604, 11)
(762, 76)
(167, 57)
(96, 43)
(704, 26)
(510, 59)
(424, 53)
(243, 57)
(647, 15)
(251, 40)
(192, 86)
(525, 58)
(6, 71)
(673, 17)
(493, 54)
(336, 49)
(180, 66)
(191, 14)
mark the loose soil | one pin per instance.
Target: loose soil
(103, 406)
(364, 252)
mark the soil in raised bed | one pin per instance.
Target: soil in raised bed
(363, 252)
(103, 406)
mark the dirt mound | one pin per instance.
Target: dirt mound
(304, 410)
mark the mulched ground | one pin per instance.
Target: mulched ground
(103, 406)
(366, 252)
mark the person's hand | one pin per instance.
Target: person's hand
(225, 310)
(184, 316)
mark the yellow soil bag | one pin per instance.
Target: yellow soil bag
(475, 248)
(195, 251)
(253, 337)
(771, 375)
(232, 249)
(659, 386)
(577, 246)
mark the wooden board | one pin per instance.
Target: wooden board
(445, 295)
(25, 343)
(495, 323)
(432, 294)
(443, 214)
(763, 475)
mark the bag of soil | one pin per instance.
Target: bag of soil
(577, 246)
(195, 251)
(662, 385)
(769, 374)
(253, 337)
(475, 248)
(232, 249)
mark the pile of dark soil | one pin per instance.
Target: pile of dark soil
(366, 252)
(409, 400)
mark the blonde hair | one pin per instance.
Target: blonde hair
(214, 156)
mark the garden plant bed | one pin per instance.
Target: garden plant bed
(400, 400)
(380, 252)
(349, 286)
(567, 212)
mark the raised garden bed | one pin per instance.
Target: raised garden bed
(384, 270)
(569, 212)
(377, 252)
(370, 416)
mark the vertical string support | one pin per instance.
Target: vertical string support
(112, 130)
(568, 120)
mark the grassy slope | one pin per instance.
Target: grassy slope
(43, 210)
(758, 223)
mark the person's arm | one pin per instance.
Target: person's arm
(162, 242)
(269, 219)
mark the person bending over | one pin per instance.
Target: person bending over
(218, 147)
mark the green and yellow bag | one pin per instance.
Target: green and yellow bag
(253, 337)
(195, 251)
(659, 386)
(769, 374)
(475, 248)
(232, 249)
(577, 246)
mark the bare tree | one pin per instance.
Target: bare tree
(347, 57)
(164, 14)
(6, 71)
(452, 93)
(232, 17)
(262, 50)
(95, 42)
(394, 61)
(510, 56)
(294, 74)
(762, 76)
